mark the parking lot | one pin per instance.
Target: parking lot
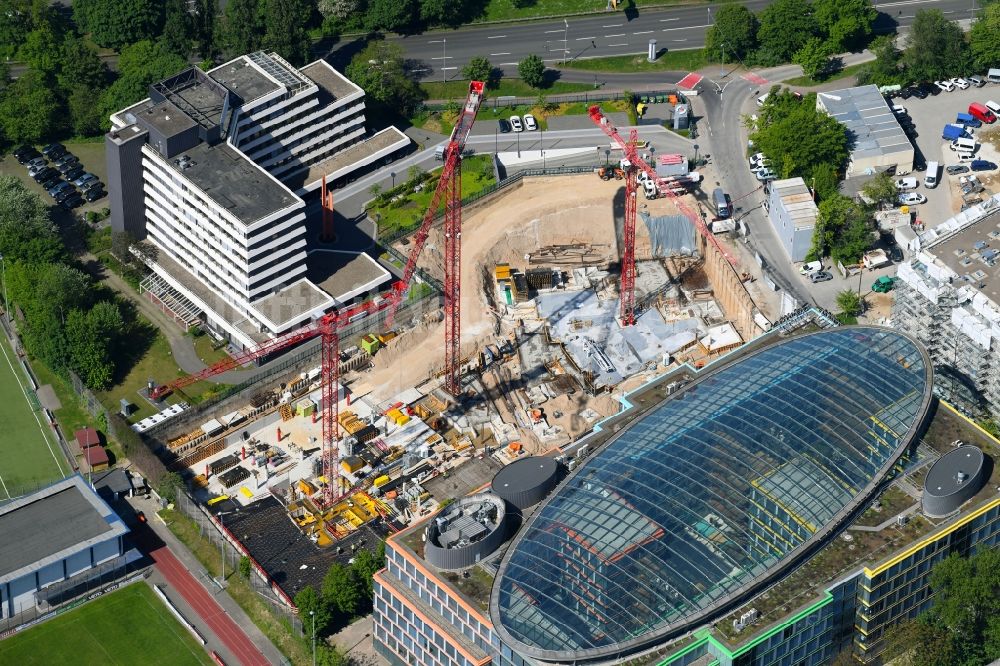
(929, 117)
(91, 156)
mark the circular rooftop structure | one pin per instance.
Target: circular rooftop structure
(952, 480)
(527, 481)
(711, 495)
(466, 531)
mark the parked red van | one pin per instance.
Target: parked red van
(979, 111)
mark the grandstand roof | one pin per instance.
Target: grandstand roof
(712, 495)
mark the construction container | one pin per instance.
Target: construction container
(539, 278)
(397, 416)
(352, 464)
(366, 434)
(305, 407)
(380, 481)
(305, 487)
(384, 338)
(502, 272)
(370, 344)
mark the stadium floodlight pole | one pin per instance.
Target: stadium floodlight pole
(312, 614)
(3, 277)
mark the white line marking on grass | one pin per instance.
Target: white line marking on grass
(24, 391)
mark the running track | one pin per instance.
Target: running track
(207, 608)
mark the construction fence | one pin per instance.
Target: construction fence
(231, 551)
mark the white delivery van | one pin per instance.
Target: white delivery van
(964, 144)
(931, 177)
(993, 106)
(810, 267)
(993, 76)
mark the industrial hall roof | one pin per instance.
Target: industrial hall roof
(712, 494)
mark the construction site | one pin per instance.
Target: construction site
(561, 295)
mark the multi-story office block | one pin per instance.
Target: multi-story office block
(212, 168)
(768, 513)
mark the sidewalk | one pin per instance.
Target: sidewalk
(224, 625)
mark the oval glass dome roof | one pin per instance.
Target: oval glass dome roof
(711, 494)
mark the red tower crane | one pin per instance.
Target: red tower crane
(635, 163)
(329, 325)
(449, 190)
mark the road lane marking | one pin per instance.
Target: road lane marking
(499, 54)
(665, 20)
(549, 32)
(610, 36)
(580, 39)
(613, 25)
(707, 25)
(442, 58)
(678, 40)
(622, 44)
(643, 32)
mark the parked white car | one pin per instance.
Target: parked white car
(810, 267)
(515, 122)
(765, 173)
(762, 99)
(966, 157)
(529, 122)
(757, 160)
(946, 86)
(961, 83)
(911, 199)
(906, 184)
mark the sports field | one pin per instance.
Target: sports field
(130, 626)
(29, 454)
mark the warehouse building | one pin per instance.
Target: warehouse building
(708, 525)
(54, 540)
(793, 212)
(212, 169)
(876, 139)
(948, 296)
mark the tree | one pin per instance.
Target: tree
(849, 302)
(117, 23)
(42, 49)
(169, 485)
(244, 26)
(342, 10)
(92, 336)
(81, 66)
(842, 225)
(380, 71)
(365, 564)
(881, 190)
(884, 70)
(734, 32)
(30, 109)
(814, 58)
(919, 643)
(825, 180)
(481, 69)
(206, 28)
(846, 24)
(27, 233)
(785, 27)
(15, 23)
(285, 24)
(246, 568)
(797, 137)
(442, 12)
(967, 604)
(532, 71)
(391, 15)
(342, 590)
(177, 27)
(935, 47)
(84, 110)
(307, 601)
(984, 38)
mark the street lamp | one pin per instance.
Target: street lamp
(541, 145)
(722, 65)
(696, 155)
(566, 37)
(312, 614)
(392, 174)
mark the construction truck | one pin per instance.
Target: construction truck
(884, 285)
(607, 173)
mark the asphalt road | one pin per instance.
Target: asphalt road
(442, 54)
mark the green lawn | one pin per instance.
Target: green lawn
(688, 60)
(849, 71)
(504, 10)
(411, 213)
(457, 90)
(125, 627)
(28, 448)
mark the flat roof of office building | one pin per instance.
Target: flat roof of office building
(797, 201)
(234, 182)
(973, 252)
(291, 303)
(353, 157)
(344, 275)
(244, 79)
(873, 127)
(165, 117)
(330, 80)
(52, 523)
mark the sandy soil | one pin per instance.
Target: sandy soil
(541, 212)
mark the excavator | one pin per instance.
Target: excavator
(609, 172)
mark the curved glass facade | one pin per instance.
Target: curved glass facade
(704, 498)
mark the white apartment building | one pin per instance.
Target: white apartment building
(948, 297)
(212, 168)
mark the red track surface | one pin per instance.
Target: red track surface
(211, 613)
